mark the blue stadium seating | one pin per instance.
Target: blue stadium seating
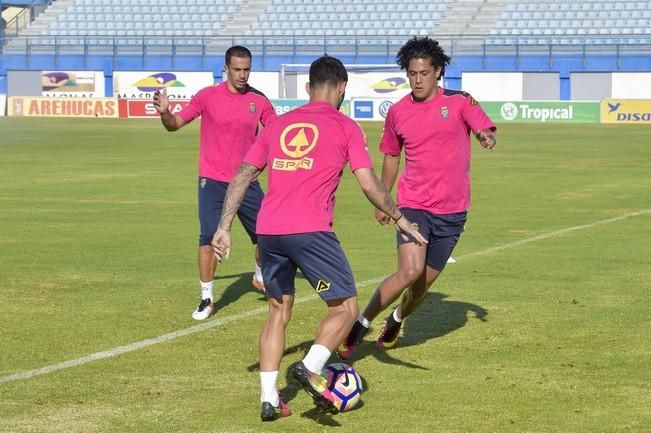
(561, 22)
(526, 22)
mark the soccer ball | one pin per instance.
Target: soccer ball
(345, 385)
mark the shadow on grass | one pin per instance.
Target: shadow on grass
(435, 318)
(234, 291)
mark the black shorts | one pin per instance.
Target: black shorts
(211, 200)
(442, 231)
(319, 257)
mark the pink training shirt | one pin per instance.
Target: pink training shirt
(306, 151)
(435, 136)
(229, 125)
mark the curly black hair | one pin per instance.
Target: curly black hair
(422, 48)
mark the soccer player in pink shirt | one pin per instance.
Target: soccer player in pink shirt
(306, 151)
(432, 126)
(230, 116)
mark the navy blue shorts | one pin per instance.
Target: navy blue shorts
(211, 200)
(319, 257)
(441, 230)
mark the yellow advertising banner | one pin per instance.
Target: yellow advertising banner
(626, 111)
(62, 107)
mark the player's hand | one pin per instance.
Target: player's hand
(487, 138)
(406, 227)
(381, 217)
(221, 244)
(161, 101)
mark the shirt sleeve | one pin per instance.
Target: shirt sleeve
(475, 117)
(390, 143)
(358, 155)
(258, 153)
(268, 113)
(193, 109)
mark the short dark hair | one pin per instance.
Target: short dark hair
(422, 48)
(237, 51)
(327, 70)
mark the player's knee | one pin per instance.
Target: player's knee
(279, 312)
(206, 250)
(347, 307)
(410, 273)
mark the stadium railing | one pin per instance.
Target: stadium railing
(379, 49)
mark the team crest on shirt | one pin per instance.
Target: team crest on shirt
(322, 286)
(296, 141)
(252, 107)
(445, 112)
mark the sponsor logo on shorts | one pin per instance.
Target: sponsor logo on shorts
(203, 182)
(322, 286)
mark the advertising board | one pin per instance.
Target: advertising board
(72, 84)
(142, 108)
(372, 108)
(62, 107)
(542, 111)
(626, 111)
(143, 84)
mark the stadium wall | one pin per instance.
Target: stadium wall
(605, 111)
(563, 65)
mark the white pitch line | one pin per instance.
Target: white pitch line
(228, 319)
(556, 233)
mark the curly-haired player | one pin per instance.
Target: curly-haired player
(432, 125)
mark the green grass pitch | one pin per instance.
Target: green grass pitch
(542, 325)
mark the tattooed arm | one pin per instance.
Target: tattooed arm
(379, 197)
(221, 241)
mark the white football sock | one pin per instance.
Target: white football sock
(206, 290)
(396, 316)
(258, 274)
(364, 321)
(268, 386)
(316, 358)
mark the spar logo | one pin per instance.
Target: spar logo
(510, 111)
